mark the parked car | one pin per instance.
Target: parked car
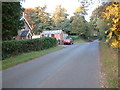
(68, 41)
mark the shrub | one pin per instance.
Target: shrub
(15, 47)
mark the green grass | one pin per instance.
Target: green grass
(110, 65)
(26, 57)
(80, 41)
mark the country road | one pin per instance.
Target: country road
(76, 66)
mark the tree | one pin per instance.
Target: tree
(39, 19)
(11, 14)
(90, 29)
(106, 18)
(80, 11)
(66, 26)
(59, 16)
(28, 14)
(78, 23)
(111, 13)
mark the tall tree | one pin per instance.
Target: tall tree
(11, 14)
(39, 19)
(106, 18)
(28, 14)
(59, 16)
(78, 23)
(111, 13)
(66, 25)
(90, 29)
(80, 11)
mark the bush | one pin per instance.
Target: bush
(15, 47)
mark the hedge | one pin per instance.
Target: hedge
(15, 47)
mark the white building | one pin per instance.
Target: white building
(58, 34)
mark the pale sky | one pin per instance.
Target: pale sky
(69, 5)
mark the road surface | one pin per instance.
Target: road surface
(76, 66)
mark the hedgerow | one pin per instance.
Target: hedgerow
(16, 47)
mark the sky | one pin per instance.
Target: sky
(69, 5)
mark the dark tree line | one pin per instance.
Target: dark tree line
(11, 14)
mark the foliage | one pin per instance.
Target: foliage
(78, 24)
(65, 25)
(81, 11)
(100, 24)
(28, 14)
(90, 33)
(14, 47)
(59, 16)
(112, 15)
(73, 25)
(11, 14)
(106, 20)
(38, 18)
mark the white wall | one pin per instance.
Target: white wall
(35, 36)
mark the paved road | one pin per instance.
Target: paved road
(76, 66)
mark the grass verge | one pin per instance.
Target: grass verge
(109, 60)
(26, 57)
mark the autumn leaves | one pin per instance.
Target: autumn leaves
(112, 14)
